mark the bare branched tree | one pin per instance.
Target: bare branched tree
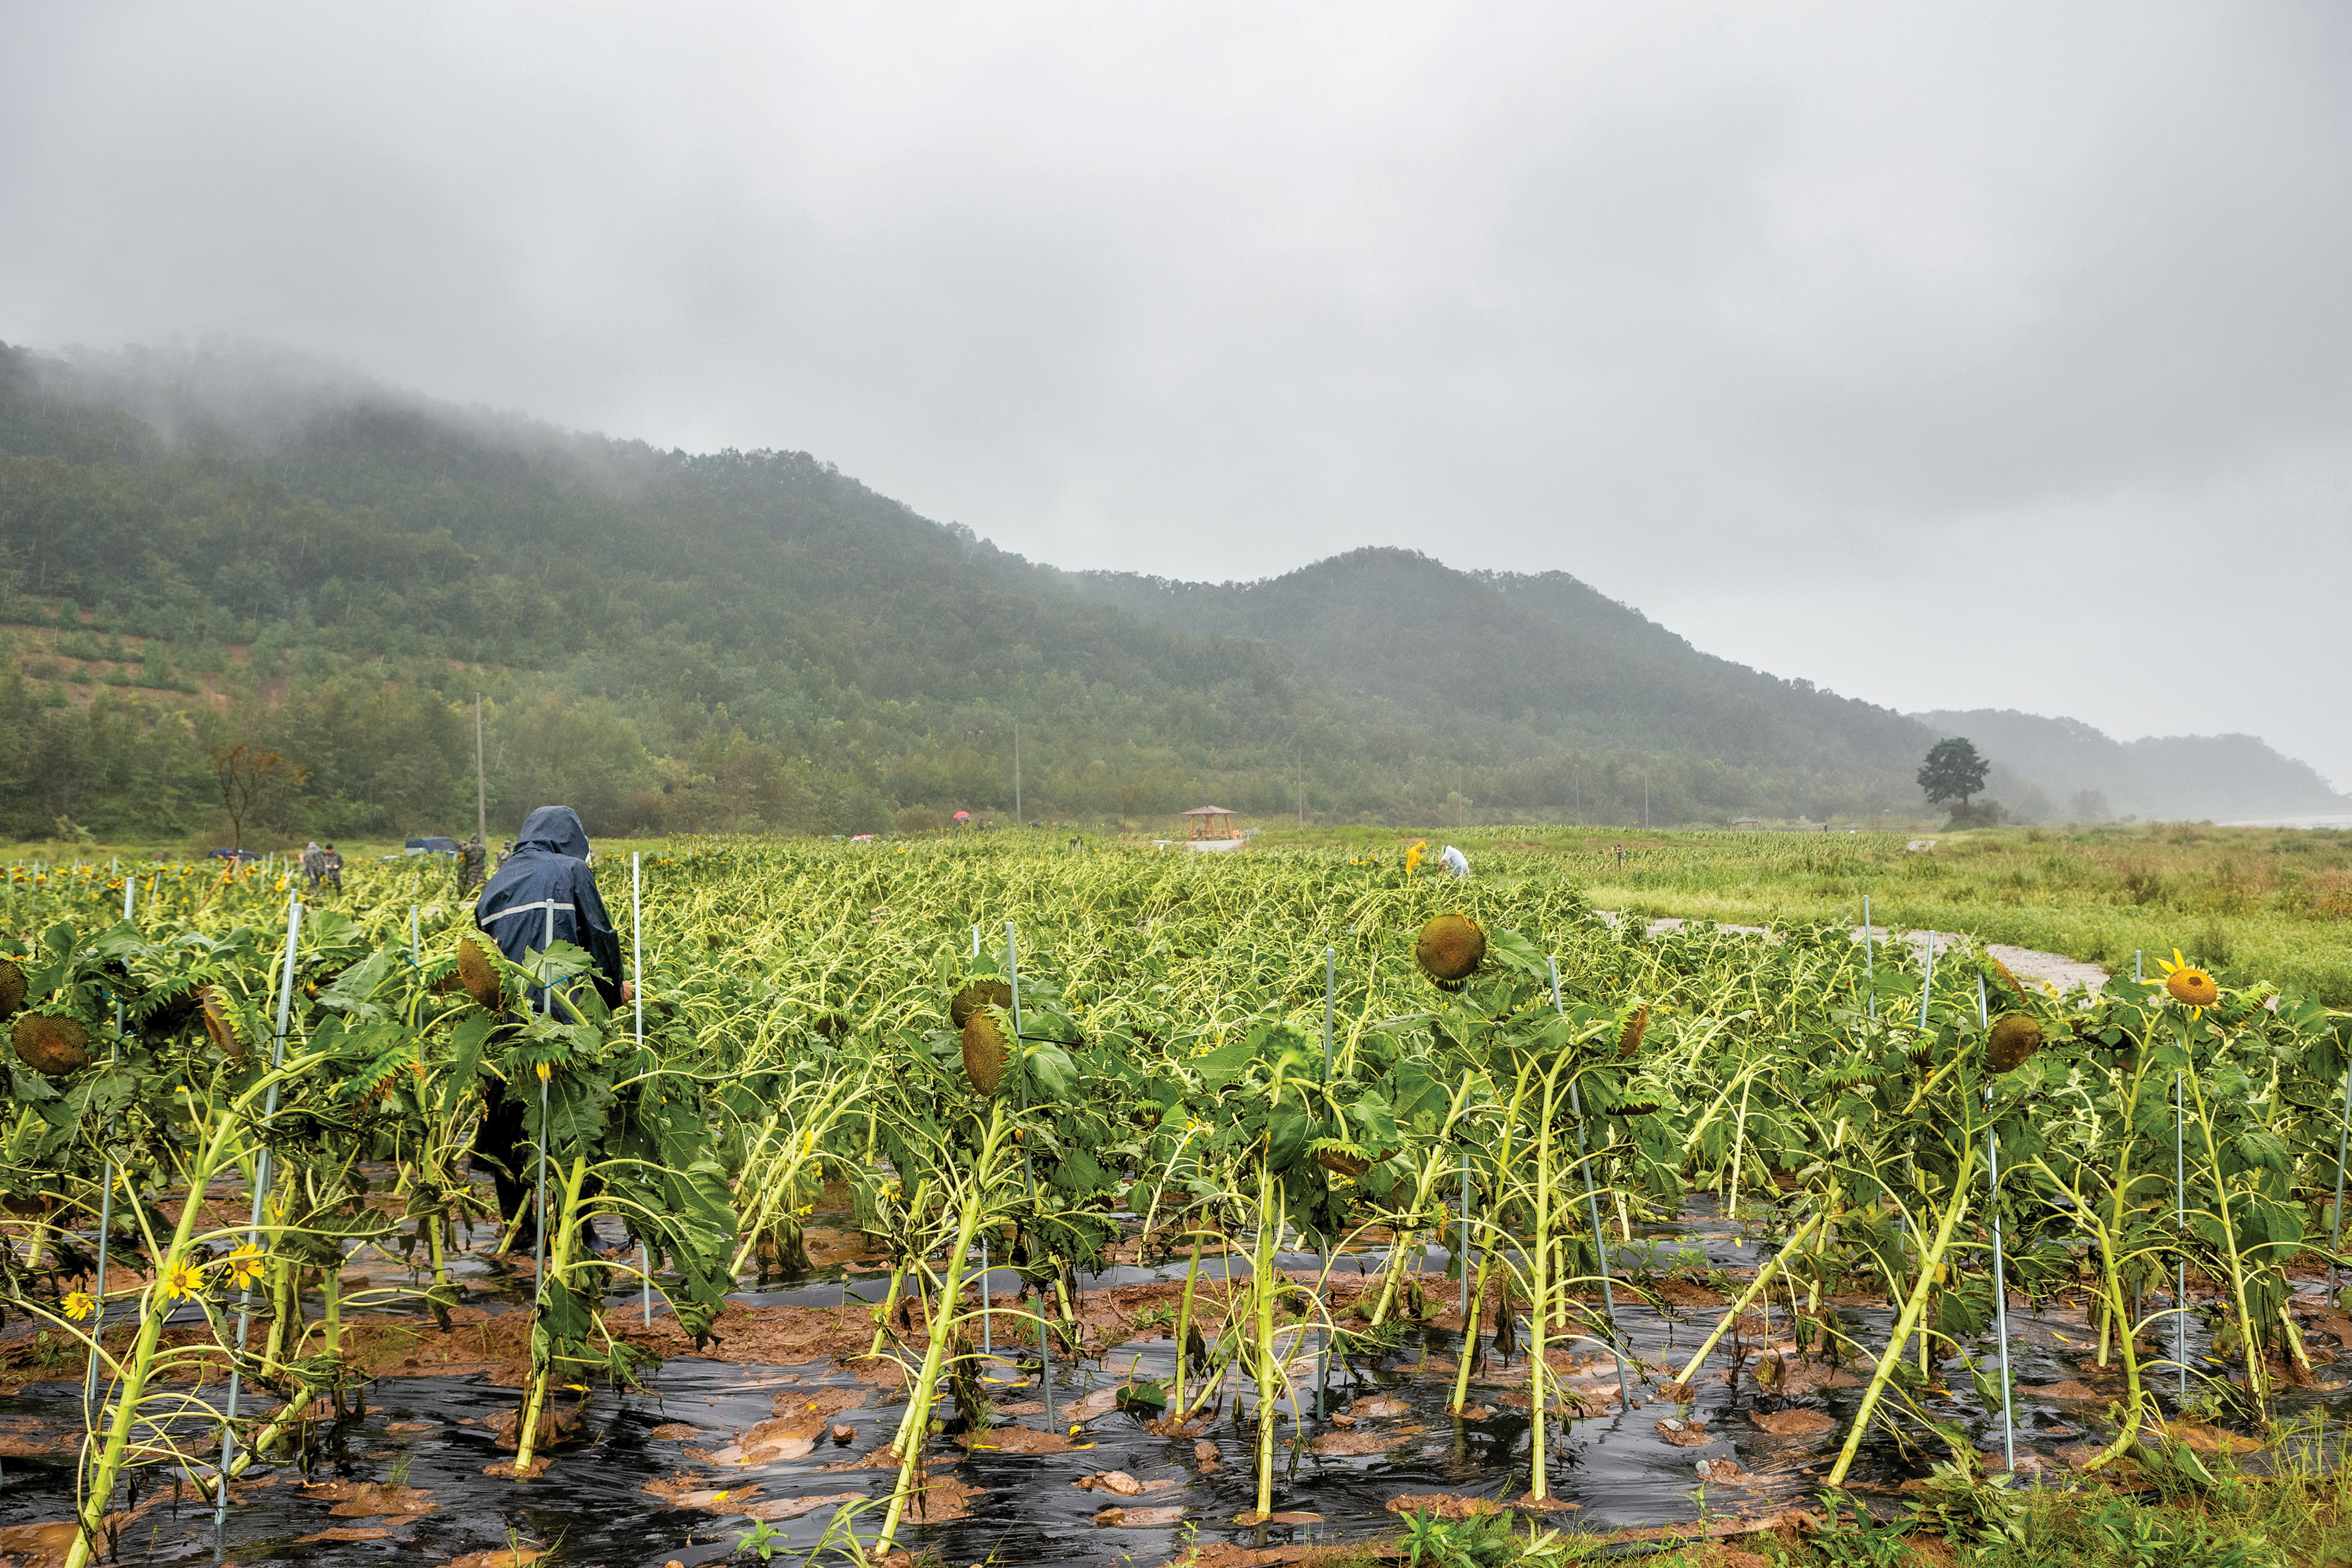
(253, 781)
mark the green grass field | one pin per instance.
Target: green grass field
(2270, 903)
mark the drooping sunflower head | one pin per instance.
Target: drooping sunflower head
(2007, 978)
(2015, 1037)
(11, 987)
(51, 1046)
(1629, 1042)
(1451, 948)
(985, 1050)
(976, 996)
(217, 1028)
(2188, 985)
(479, 976)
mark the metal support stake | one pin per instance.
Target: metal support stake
(987, 1350)
(105, 1199)
(1868, 973)
(416, 952)
(2336, 1237)
(1469, 1333)
(538, 1222)
(1323, 1352)
(1592, 1205)
(637, 979)
(2180, 1221)
(253, 1229)
(1028, 1174)
(2000, 1279)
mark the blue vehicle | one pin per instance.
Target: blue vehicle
(241, 857)
(431, 847)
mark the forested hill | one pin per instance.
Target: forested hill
(201, 549)
(1504, 658)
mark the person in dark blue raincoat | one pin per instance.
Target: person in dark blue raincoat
(550, 864)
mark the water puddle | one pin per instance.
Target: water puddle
(657, 1475)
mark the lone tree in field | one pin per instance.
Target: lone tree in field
(1953, 771)
(253, 781)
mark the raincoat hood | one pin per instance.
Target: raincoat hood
(556, 828)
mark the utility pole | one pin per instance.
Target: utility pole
(1645, 800)
(481, 807)
(1016, 772)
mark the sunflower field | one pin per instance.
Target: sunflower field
(1291, 1172)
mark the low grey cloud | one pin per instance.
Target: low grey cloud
(1988, 355)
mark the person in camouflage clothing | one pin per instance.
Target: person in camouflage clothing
(473, 860)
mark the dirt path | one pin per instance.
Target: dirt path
(2053, 969)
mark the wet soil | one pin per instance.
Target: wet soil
(780, 1419)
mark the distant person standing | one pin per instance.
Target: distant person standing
(314, 866)
(473, 865)
(332, 868)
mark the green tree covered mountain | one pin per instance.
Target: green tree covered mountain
(198, 549)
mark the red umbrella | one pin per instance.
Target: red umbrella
(964, 816)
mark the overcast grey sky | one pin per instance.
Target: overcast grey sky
(1967, 355)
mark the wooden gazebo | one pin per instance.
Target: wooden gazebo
(1211, 822)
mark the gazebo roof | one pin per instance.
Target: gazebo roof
(1206, 811)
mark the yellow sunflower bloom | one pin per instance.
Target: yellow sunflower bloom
(542, 1072)
(79, 1304)
(180, 1279)
(2188, 985)
(244, 1266)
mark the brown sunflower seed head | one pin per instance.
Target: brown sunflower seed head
(977, 995)
(1628, 1043)
(217, 1027)
(985, 1051)
(2015, 1037)
(174, 1012)
(50, 1046)
(11, 987)
(479, 976)
(1451, 947)
(1339, 1162)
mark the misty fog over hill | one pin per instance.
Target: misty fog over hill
(207, 546)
